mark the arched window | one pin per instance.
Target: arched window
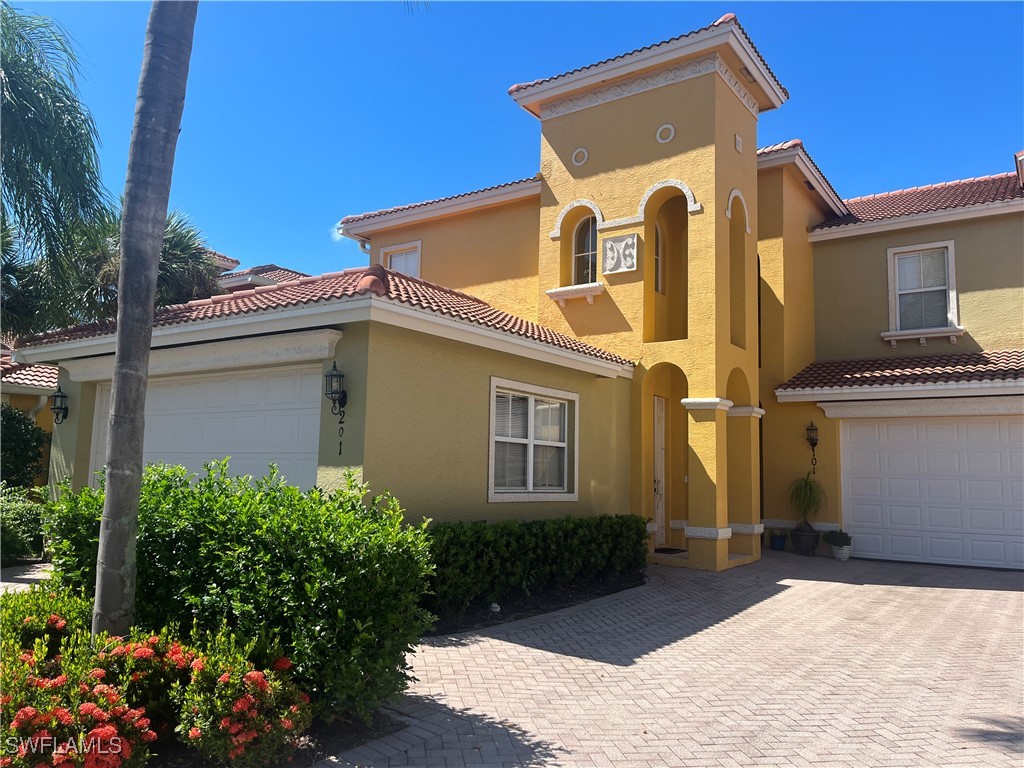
(584, 252)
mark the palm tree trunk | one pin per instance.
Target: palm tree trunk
(158, 109)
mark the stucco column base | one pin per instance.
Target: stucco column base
(709, 554)
(745, 544)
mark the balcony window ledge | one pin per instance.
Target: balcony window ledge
(953, 332)
(585, 291)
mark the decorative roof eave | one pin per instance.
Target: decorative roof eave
(332, 312)
(724, 33)
(901, 391)
(917, 220)
(359, 227)
(797, 155)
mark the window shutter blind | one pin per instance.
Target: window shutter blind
(908, 270)
(933, 268)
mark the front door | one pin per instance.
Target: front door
(659, 471)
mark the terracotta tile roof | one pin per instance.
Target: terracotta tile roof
(39, 376)
(999, 365)
(935, 197)
(728, 18)
(269, 271)
(337, 287)
(396, 209)
(219, 258)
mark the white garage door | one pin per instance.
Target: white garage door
(936, 490)
(254, 417)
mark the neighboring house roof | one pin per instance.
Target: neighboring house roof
(995, 367)
(12, 374)
(729, 19)
(222, 261)
(1002, 187)
(402, 214)
(339, 287)
(265, 274)
(795, 152)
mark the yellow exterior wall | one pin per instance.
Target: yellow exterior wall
(428, 428)
(351, 355)
(43, 419)
(852, 295)
(489, 253)
(788, 270)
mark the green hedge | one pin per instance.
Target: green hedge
(479, 563)
(21, 524)
(337, 579)
(21, 450)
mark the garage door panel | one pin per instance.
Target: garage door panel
(903, 517)
(945, 518)
(255, 418)
(942, 461)
(902, 461)
(943, 489)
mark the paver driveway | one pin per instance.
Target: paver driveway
(791, 661)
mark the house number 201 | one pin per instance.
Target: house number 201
(341, 430)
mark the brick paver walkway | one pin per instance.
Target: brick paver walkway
(788, 662)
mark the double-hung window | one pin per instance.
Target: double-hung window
(533, 443)
(922, 294)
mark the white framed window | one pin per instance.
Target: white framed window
(659, 260)
(922, 288)
(534, 436)
(584, 252)
(404, 258)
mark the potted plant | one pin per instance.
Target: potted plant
(807, 497)
(842, 543)
(777, 539)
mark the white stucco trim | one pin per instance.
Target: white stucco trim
(693, 532)
(520, 190)
(333, 313)
(733, 195)
(24, 389)
(556, 233)
(678, 525)
(583, 291)
(706, 403)
(788, 525)
(747, 529)
(261, 351)
(917, 220)
(900, 391)
(746, 410)
(692, 206)
(1012, 405)
(510, 385)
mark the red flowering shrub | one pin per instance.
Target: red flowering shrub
(235, 713)
(56, 713)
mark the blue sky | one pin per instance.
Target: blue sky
(300, 113)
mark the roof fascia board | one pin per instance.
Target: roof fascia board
(424, 321)
(333, 313)
(23, 389)
(900, 391)
(917, 220)
(530, 98)
(960, 406)
(357, 230)
(800, 159)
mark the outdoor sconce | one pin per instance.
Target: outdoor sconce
(334, 389)
(59, 406)
(812, 440)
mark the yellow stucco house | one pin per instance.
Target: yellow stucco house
(648, 325)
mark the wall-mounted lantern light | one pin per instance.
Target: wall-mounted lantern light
(59, 406)
(812, 440)
(334, 389)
